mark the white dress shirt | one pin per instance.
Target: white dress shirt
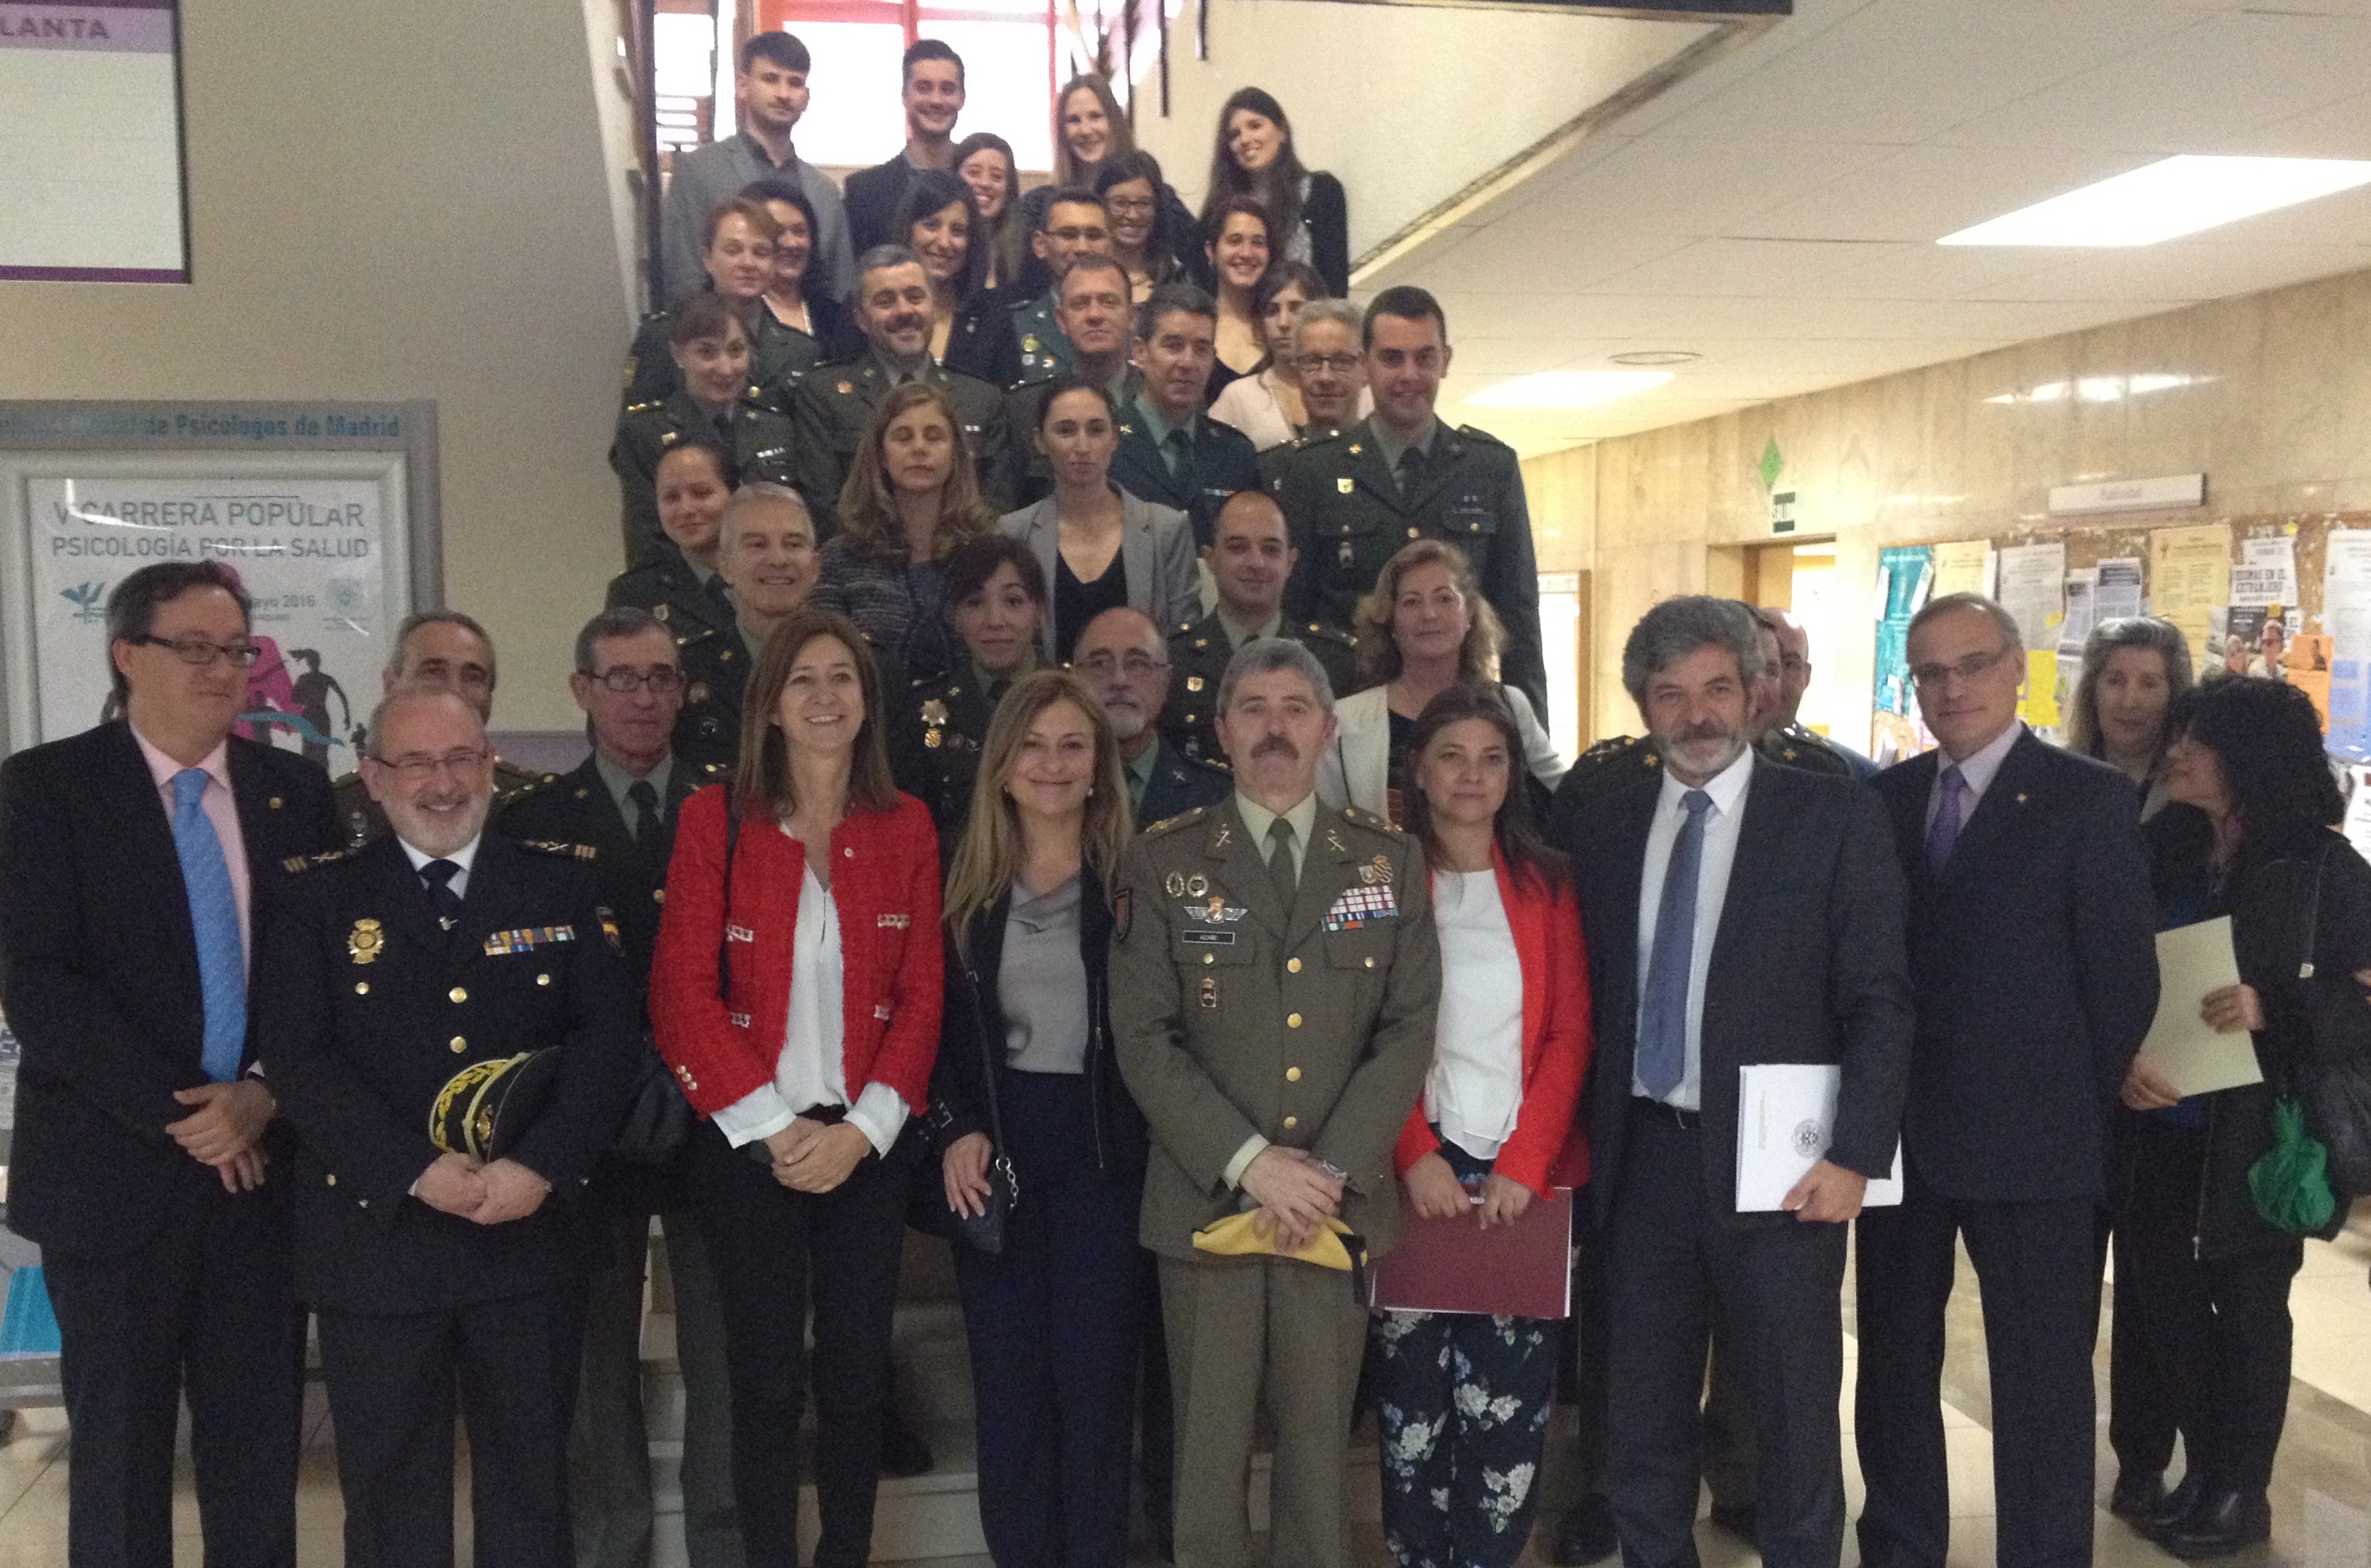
(813, 1069)
(1475, 1086)
(465, 857)
(1976, 772)
(1726, 789)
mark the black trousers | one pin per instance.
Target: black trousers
(393, 1382)
(1677, 1265)
(207, 1307)
(2217, 1330)
(1054, 1324)
(776, 1253)
(2140, 1415)
(2037, 1265)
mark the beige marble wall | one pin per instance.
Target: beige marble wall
(2277, 414)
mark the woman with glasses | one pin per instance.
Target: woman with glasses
(1254, 157)
(1140, 206)
(995, 604)
(1265, 405)
(971, 327)
(1091, 132)
(796, 995)
(1035, 1124)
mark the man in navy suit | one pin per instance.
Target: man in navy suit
(1738, 912)
(1123, 656)
(139, 862)
(2034, 964)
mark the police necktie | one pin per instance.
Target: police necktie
(646, 814)
(1176, 451)
(437, 877)
(214, 919)
(1943, 832)
(1411, 470)
(1663, 1021)
(1279, 860)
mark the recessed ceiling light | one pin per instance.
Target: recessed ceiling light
(1655, 356)
(2167, 200)
(1567, 388)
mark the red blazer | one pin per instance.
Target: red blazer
(1549, 1146)
(885, 883)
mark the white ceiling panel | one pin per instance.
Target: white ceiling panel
(1752, 268)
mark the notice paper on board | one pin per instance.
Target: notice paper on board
(1785, 1119)
(2193, 962)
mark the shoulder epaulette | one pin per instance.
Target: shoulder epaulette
(1305, 443)
(1472, 434)
(645, 408)
(562, 850)
(1607, 749)
(1330, 633)
(715, 770)
(306, 862)
(1180, 820)
(1184, 627)
(1365, 818)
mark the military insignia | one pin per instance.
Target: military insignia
(660, 613)
(697, 692)
(1368, 875)
(1355, 449)
(1346, 484)
(1206, 939)
(1196, 886)
(527, 938)
(932, 738)
(1333, 842)
(1220, 840)
(1209, 992)
(609, 929)
(1193, 683)
(275, 802)
(1357, 905)
(1121, 910)
(1344, 554)
(934, 712)
(1382, 864)
(1215, 912)
(1029, 343)
(1175, 884)
(365, 940)
(846, 388)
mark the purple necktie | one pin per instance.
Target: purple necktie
(1943, 832)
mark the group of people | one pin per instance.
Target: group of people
(1167, 891)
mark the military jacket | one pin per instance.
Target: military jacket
(362, 823)
(1198, 653)
(1045, 347)
(760, 442)
(368, 1007)
(1310, 1025)
(834, 408)
(1348, 517)
(1221, 462)
(779, 357)
(1178, 785)
(1033, 479)
(715, 676)
(666, 585)
(934, 746)
(1272, 461)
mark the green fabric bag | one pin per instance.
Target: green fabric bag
(2290, 1182)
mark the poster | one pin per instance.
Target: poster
(2189, 573)
(2267, 571)
(1904, 576)
(2033, 589)
(2346, 620)
(1964, 566)
(319, 553)
(2118, 591)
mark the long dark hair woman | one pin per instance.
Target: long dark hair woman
(971, 328)
(1137, 202)
(2252, 834)
(796, 993)
(813, 327)
(984, 161)
(1254, 157)
(1091, 133)
(1030, 1112)
(1238, 242)
(1464, 1398)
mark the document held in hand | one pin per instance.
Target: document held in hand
(2192, 962)
(1785, 1119)
(1524, 1270)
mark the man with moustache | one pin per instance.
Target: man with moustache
(1171, 451)
(834, 405)
(1251, 559)
(766, 553)
(1091, 306)
(450, 1024)
(1273, 982)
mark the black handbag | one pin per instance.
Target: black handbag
(2335, 1084)
(984, 1232)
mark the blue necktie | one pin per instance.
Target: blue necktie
(214, 916)
(1663, 1021)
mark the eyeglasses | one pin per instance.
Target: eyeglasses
(1340, 364)
(1073, 235)
(1936, 677)
(1135, 666)
(414, 768)
(665, 679)
(199, 652)
(1134, 209)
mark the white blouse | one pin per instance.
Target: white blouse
(813, 1069)
(1249, 404)
(1476, 1087)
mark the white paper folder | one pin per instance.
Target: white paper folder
(2193, 962)
(1785, 1119)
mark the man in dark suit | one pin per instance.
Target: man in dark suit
(933, 97)
(1171, 451)
(1122, 655)
(2034, 966)
(138, 863)
(413, 987)
(1738, 913)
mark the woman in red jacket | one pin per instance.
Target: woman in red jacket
(814, 884)
(1463, 1400)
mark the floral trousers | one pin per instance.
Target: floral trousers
(1462, 1400)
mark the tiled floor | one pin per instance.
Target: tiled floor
(2322, 1491)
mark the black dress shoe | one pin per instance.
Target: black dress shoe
(2221, 1522)
(1736, 1518)
(2136, 1496)
(1587, 1535)
(903, 1452)
(2174, 1505)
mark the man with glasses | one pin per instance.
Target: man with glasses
(1091, 308)
(2033, 961)
(1332, 378)
(1122, 655)
(448, 1017)
(1076, 225)
(1251, 559)
(449, 651)
(1400, 475)
(1171, 451)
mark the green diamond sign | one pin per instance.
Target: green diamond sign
(1772, 463)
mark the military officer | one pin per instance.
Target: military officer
(996, 599)
(1794, 677)
(1400, 475)
(1332, 378)
(436, 648)
(1091, 306)
(1171, 451)
(834, 403)
(742, 235)
(1250, 560)
(1075, 224)
(717, 402)
(678, 582)
(766, 554)
(1121, 655)
(1274, 980)
(448, 1022)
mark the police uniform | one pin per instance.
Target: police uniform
(1178, 785)
(361, 822)
(779, 357)
(834, 408)
(1273, 460)
(666, 586)
(377, 1013)
(716, 674)
(1198, 653)
(759, 441)
(1349, 516)
(1219, 462)
(934, 745)
(1046, 350)
(1310, 1025)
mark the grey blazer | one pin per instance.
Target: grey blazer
(1156, 551)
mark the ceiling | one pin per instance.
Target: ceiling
(1776, 212)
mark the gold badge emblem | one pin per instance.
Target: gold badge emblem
(846, 388)
(1209, 992)
(1355, 449)
(1196, 886)
(1175, 884)
(1346, 484)
(1029, 343)
(365, 941)
(1382, 864)
(934, 739)
(660, 613)
(1193, 683)
(934, 712)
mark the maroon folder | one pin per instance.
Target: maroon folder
(1453, 1266)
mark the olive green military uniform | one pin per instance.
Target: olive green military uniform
(1033, 477)
(1309, 1023)
(1046, 350)
(1273, 460)
(666, 586)
(1198, 653)
(834, 406)
(362, 823)
(1349, 514)
(760, 442)
(716, 674)
(779, 357)
(934, 738)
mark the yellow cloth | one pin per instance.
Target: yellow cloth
(1236, 1237)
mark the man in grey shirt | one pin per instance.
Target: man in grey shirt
(772, 90)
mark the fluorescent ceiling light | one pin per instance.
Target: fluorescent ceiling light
(1567, 388)
(2167, 200)
(1656, 356)
(2101, 388)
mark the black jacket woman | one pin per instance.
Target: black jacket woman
(1309, 212)
(1028, 1108)
(2251, 835)
(938, 219)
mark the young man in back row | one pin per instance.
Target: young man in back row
(931, 90)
